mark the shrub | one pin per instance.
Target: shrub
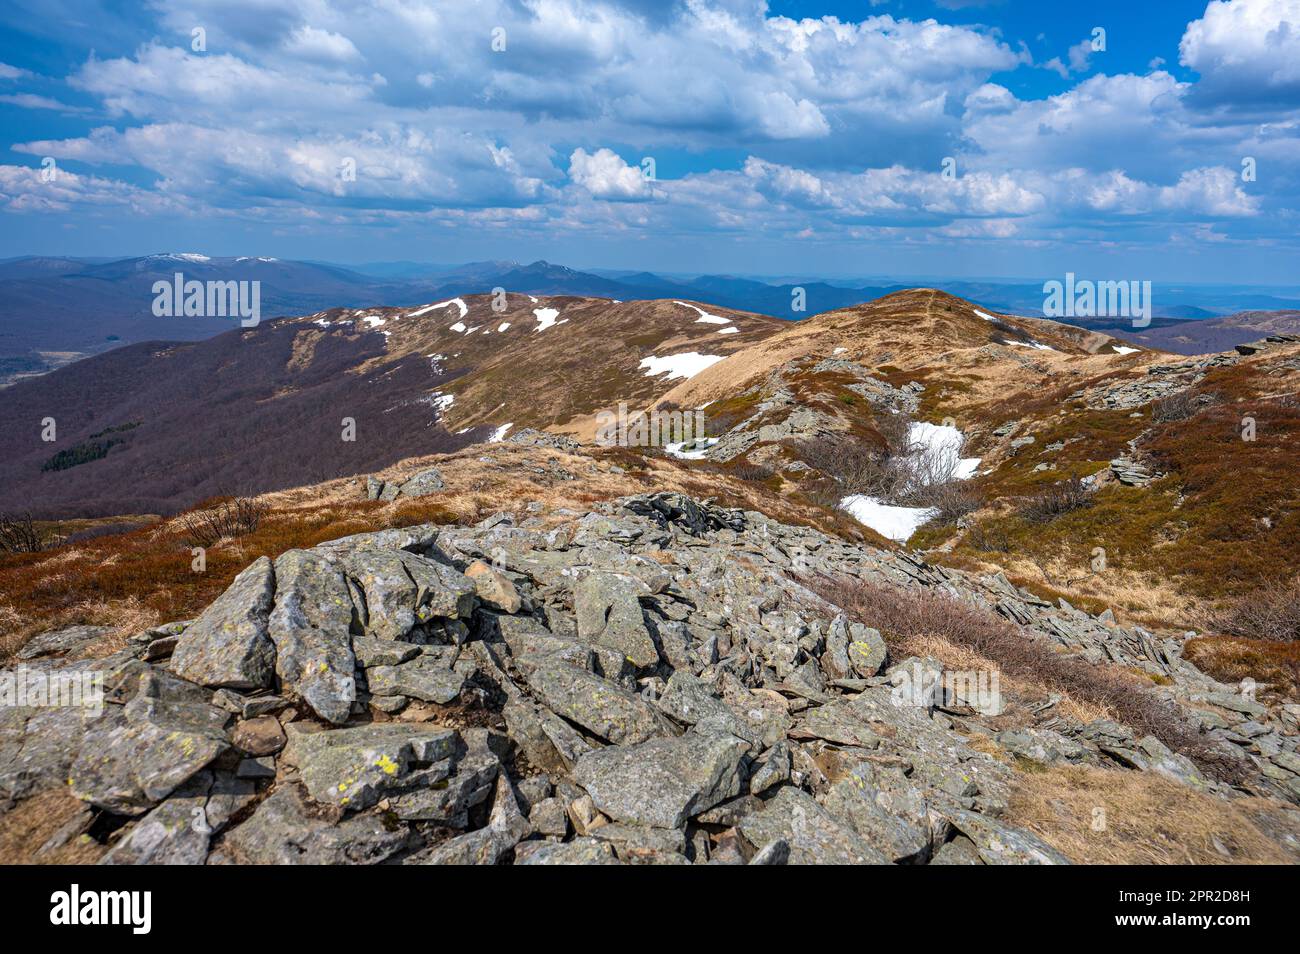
(857, 467)
(18, 534)
(227, 518)
(953, 499)
(1178, 406)
(1271, 613)
(1057, 500)
(747, 471)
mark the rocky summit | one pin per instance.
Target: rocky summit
(659, 680)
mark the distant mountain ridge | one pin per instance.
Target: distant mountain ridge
(57, 309)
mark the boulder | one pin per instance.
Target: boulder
(310, 627)
(664, 781)
(229, 645)
(609, 614)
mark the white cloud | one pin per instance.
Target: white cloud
(1246, 50)
(606, 176)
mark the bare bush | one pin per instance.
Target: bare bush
(896, 429)
(1271, 612)
(18, 534)
(747, 471)
(1056, 501)
(989, 539)
(905, 618)
(858, 468)
(226, 519)
(1178, 406)
(953, 499)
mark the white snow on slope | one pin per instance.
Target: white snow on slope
(442, 401)
(698, 450)
(374, 321)
(733, 330)
(686, 365)
(464, 309)
(943, 444)
(892, 523)
(499, 434)
(935, 457)
(503, 326)
(545, 317)
(458, 326)
(705, 317)
(985, 315)
(1031, 344)
(1122, 349)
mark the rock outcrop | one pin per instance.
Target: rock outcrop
(655, 684)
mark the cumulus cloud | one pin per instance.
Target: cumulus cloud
(827, 127)
(1247, 51)
(606, 176)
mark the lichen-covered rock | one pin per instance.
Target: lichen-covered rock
(135, 756)
(609, 614)
(664, 781)
(814, 835)
(596, 704)
(353, 768)
(310, 627)
(424, 483)
(999, 844)
(229, 645)
(285, 831)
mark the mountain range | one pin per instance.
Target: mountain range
(55, 310)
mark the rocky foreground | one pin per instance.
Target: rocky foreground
(649, 682)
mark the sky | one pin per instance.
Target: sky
(1116, 140)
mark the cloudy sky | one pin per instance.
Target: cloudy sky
(877, 137)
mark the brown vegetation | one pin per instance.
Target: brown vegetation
(1117, 817)
(904, 618)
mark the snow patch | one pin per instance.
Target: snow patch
(1123, 349)
(698, 448)
(458, 326)
(705, 317)
(545, 317)
(892, 523)
(839, 350)
(685, 365)
(500, 433)
(942, 443)
(503, 326)
(985, 315)
(1038, 345)
(374, 321)
(459, 303)
(733, 330)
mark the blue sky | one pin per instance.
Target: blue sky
(786, 137)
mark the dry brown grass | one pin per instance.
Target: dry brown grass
(963, 658)
(34, 821)
(1148, 819)
(904, 616)
(1275, 666)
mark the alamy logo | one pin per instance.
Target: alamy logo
(25, 688)
(1084, 298)
(211, 299)
(657, 428)
(76, 907)
(922, 687)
